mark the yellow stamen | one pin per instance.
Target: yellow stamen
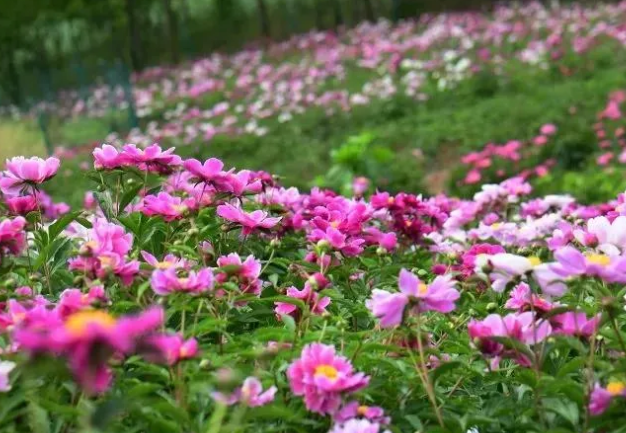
(599, 259)
(496, 226)
(422, 288)
(616, 388)
(79, 322)
(391, 200)
(534, 261)
(163, 265)
(327, 371)
(362, 410)
(105, 261)
(334, 224)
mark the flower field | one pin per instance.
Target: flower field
(181, 291)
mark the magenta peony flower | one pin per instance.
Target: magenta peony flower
(439, 296)
(152, 158)
(27, 171)
(88, 338)
(353, 410)
(572, 262)
(170, 349)
(257, 219)
(107, 157)
(600, 398)
(12, 235)
(323, 377)
(169, 207)
(317, 304)
(250, 394)
(5, 368)
(357, 426)
(575, 323)
(166, 281)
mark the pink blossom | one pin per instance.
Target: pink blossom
(548, 129)
(107, 157)
(5, 368)
(357, 426)
(250, 221)
(169, 207)
(12, 235)
(572, 262)
(32, 171)
(171, 349)
(575, 323)
(600, 398)
(316, 304)
(167, 281)
(323, 377)
(250, 394)
(152, 158)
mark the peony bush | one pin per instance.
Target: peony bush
(187, 297)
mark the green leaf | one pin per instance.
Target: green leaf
(128, 196)
(38, 420)
(59, 225)
(444, 368)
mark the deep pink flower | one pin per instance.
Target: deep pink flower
(353, 410)
(246, 273)
(107, 157)
(166, 281)
(12, 235)
(572, 262)
(250, 221)
(170, 349)
(522, 299)
(317, 304)
(250, 394)
(439, 296)
(152, 158)
(27, 171)
(358, 426)
(89, 338)
(169, 207)
(575, 323)
(323, 377)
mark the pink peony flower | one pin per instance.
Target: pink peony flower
(575, 323)
(27, 171)
(170, 349)
(439, 296)
(323, 377)
(5, 368)
(152, 158)
(12, 235)
(88, 338)
(572, 262)
(169, 207)
(250, 394)
(107, 157)
(600, 398)
(166, 281)
(357, 426)
(317, 304)
(250, 221)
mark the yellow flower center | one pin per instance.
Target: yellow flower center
(391, 200)
(78, 323)
(599, 259)
(334, 224)
(163, 265)
(106, 262)
(180, 208)
(327, 371)
(616, 388)
(183, 280)
(496, 226)
(91, 244)
(362, 410)
(422, 288)
(534, 261)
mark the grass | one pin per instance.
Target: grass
(20, 138)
